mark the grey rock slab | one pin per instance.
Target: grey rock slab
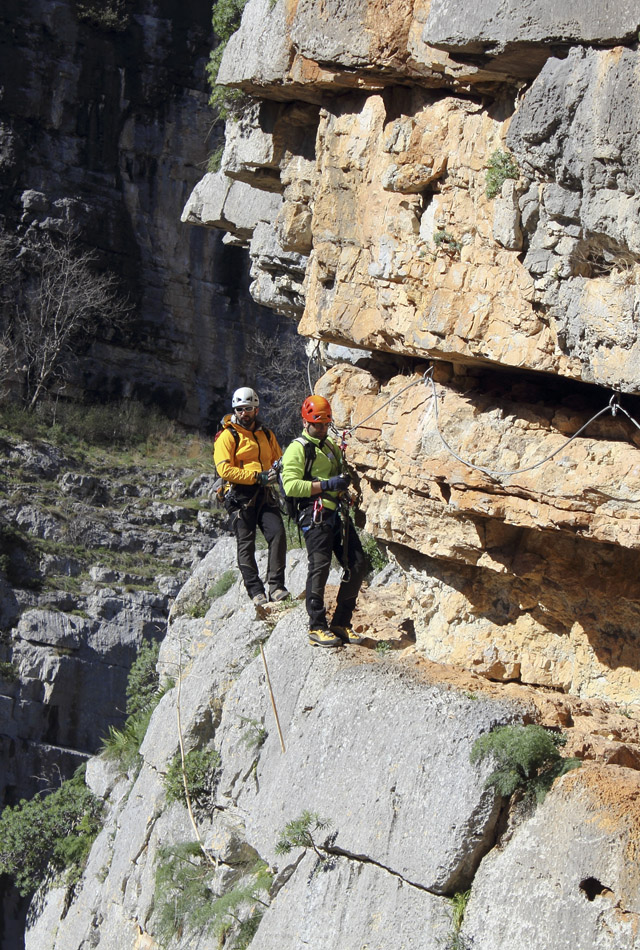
(572, 870)
(337, 31)
(40, 461)
(417, 806)
(260, 52)
(209, 655)
(52, 628)
(234, 206)
(34, 521)
(352, 905)
(577, 127)
(496, 25)
(507, 230)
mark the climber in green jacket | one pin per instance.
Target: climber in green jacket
(313, 473)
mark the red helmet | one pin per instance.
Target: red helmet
(316, 409)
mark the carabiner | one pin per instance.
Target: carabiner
(614, 404)
(318, 508)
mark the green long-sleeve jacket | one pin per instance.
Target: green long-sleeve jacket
(328, 462)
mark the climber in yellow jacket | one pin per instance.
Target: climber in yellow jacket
(244, 453)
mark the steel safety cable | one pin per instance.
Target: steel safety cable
(628, 415)
(414, 382)
(612, 407)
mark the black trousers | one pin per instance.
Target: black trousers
(323, 540)
(245, 523)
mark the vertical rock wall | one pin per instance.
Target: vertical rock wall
(520, 303)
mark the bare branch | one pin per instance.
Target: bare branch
(62, 303)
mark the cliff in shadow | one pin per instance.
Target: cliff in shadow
(105, 128)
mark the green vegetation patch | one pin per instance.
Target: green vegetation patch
(8, 671)
(201, 771)
(299, 833)
(458, 905)
(445, 241)
(527, 759)
(105, 14)
(500, 167)
(226, 17)
(47, 837)
(186, 901)
(144, 692)
(376, 556)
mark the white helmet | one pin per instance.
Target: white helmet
(245, 397)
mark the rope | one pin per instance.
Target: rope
(312, 356)
(427, 377)
(611, 407)
(622, 409)
(273, 702)
(212, 861)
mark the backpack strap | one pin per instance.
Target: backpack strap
(309, 456)
(236, 438)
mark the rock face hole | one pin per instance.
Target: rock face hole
(592, 888)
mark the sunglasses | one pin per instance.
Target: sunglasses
(245, 409)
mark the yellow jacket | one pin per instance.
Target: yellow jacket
(256, 452)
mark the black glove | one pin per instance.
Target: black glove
(335, 483)
(265, 478)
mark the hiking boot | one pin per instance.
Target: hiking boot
(346, 634)
(260, 599)
(323, 638)
(280, 594)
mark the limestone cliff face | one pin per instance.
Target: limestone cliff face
(104, 124)
(365, 159)
(376, 744)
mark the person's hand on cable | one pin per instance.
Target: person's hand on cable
(335, 483)
(266, 478)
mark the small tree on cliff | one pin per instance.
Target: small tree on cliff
(56, 302)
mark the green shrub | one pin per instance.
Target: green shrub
(186, 902)
(446, 242)
(226, 16)
(105, 14)
(254, 732)
(224, 583)
(214, 161)
(8, 671)
(143, 682)
(42, 838)
(501, 166)
(376, 556)
(144, 692)
(458, 904)
(299, 833)
(527, 759)
(201, 767)
(123, 745)
(125, 424)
